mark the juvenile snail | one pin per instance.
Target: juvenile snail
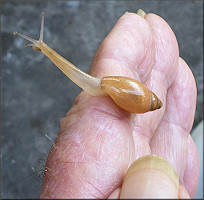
(129, 94)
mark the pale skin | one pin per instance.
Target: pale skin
(98, 141)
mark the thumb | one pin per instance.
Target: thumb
(150, 177)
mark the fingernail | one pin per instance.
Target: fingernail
(150, 177)
(141, 13)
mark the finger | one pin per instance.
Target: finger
(191, 174)
(163, 73)
(171, 138)
(151, 177)
(95, 146)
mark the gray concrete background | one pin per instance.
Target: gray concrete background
(36, 95)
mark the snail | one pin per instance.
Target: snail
(129, 94)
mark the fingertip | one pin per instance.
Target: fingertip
(128, 50)
(132, 17)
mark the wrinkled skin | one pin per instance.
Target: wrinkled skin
(98, 141)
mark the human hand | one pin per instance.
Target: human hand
(98, 141)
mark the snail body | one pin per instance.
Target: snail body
(129, 94)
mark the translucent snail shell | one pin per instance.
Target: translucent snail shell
(129, 94)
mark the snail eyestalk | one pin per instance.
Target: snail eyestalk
(42, 26)
(25, 37)
(35, 43)
(88, 83)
